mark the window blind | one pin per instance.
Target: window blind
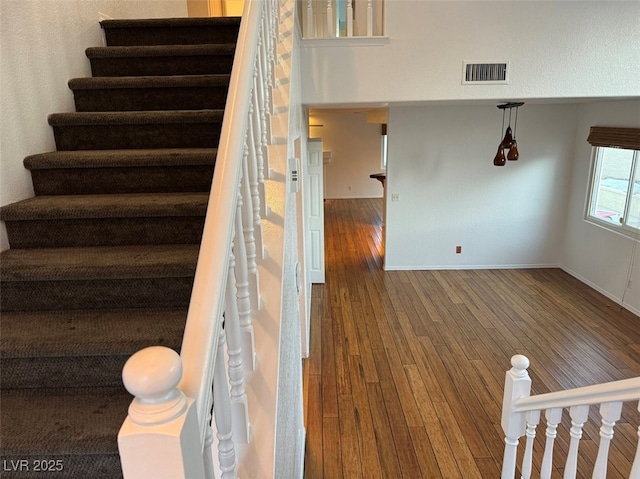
(628, 138)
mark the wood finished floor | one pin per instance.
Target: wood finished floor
(406, 369)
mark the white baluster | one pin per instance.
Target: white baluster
(579, 416)
(349, 18)
(610, 413)
(243, 295)
(248, 233)
(517, 385)
(533, 418)
(369, 18)
(159, 438)
(207, 452)
(239, 406)
(330, 30)
(222, 414)
(635, 468)
(310, 31)
(263, 60)
(254, 186)
(553, 417)
(261, 106)
(273, 53)
(255, 151)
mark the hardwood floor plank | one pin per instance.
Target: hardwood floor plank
(406, 369)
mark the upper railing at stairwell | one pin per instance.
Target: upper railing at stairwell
(341, 18)
(521, 415)
(170, 429)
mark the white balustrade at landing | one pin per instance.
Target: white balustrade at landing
(521, 414)
(341, 19)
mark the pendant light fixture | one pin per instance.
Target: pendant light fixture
(508, 142)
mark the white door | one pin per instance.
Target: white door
(314, 209)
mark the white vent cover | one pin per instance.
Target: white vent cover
(485, 73)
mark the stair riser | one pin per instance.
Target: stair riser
(173, 36)
(83, 181)
(114, 137)
(95, 294)
(150, 99)
(105, 232)
(170, 65)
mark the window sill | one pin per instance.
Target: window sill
(619, 230)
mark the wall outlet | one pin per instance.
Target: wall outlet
(458, 249)
(395, 197)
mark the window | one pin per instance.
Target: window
(615, 186)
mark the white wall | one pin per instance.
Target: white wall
(42, 46)
(557, 49)
(450, 194)
(598, 256)
(355, 153)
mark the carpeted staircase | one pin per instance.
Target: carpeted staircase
(102, 260)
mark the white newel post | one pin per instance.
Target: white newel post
(160, 437)
(349, 18)
(517, 385)
(369, 18)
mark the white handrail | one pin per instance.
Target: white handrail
(199, 346)
(623, 390)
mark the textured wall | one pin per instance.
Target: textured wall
(42, 46)
(355, 153)
(450, 194)
(557, 49)
(598, 256)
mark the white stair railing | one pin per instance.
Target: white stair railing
(338, 19)
(180, 399)
(521, 414)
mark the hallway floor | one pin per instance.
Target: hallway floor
(406, 369)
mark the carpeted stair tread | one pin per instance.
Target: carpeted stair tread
(146, 51)
(150, 93)
(103, 263)
(41, 334)
(171, 22)
(106, 206)
(158, 31)
(121, 158)
(67, 421)
(134, 117)
(175, 81)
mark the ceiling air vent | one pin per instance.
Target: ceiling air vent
(485, 73)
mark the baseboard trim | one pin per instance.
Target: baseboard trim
(445, 267)
(602, 291)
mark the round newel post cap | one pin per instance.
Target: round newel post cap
(153, 373)
(520, 363)
(152, 376)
